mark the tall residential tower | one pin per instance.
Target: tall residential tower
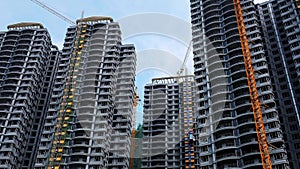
(281, 31)
(168, 129)
(27, 57)
(227, 132)
(89, 121)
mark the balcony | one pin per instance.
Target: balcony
(251, 163)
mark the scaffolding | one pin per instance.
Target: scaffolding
(67, 111)
(258, 118)
(188, 123)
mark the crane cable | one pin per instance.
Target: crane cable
(43, 5)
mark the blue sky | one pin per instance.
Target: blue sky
(168, 40)
(25, 10)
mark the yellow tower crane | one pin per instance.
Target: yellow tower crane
(258, 117)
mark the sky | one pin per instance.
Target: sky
(25, 10)
(160, 29)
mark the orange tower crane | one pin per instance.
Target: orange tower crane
(258, 118)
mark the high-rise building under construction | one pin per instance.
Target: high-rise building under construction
(27, 65)
(225, 118)
(89, 121)
(168, 129)
(66, 109)
(281, 30)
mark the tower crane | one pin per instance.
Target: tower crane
(187, 54)
(43, 5)
(258, 118)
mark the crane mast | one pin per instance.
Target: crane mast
(258, 118)
(187, 54)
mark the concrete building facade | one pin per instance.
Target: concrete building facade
(26, 57)
(91, 110)
(280, 27)
(167, 124)
(66, 109)
(227, 132)
(119, 154)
